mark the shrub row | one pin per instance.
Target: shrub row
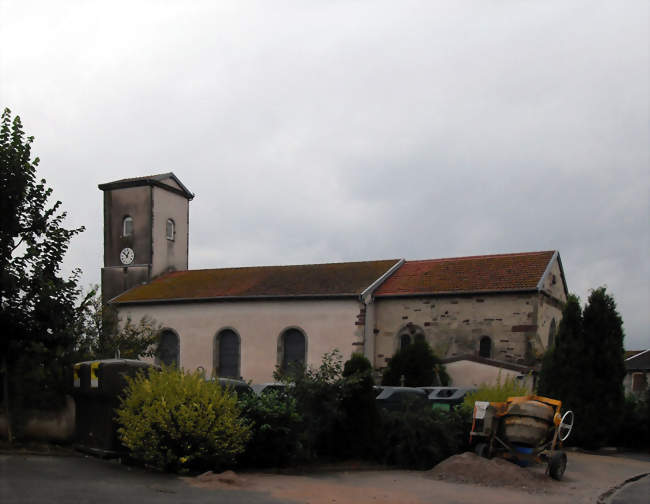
(181, 422)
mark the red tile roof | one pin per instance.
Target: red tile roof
(502, 272)
(336, 279)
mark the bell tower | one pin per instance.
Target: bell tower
(146, 230)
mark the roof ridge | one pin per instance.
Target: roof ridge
(155, 176)
(278, 266)
(484, 256)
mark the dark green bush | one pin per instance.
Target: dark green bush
(275, 424)
(359, 430)
(317, 392)
(419, 438)
(180, 422)
(419, 366)
(337, 406)
(634, 431)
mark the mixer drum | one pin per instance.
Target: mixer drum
(528, 422)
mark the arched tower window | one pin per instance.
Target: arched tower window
(127, 226)
(485, 347)
(293, 347)
(551, 334)
(226, 358)
(168, 352)
(170, 229)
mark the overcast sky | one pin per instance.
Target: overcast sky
(349, 130)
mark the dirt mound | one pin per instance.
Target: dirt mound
(470, 468)
(227, 479)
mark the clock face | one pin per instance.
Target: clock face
(127, 256)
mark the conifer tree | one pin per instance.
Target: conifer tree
(584, 369)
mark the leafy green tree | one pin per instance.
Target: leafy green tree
(38, 310)
(417, 364)
(103, 335)
(585, 368)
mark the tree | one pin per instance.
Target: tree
(417, 364)
(38, 309)
(103, 335)
(585, 368)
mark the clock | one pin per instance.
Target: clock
(127, 256)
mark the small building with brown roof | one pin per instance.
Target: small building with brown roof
(637, 372)
(497, 312)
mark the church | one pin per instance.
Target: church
(484, 316)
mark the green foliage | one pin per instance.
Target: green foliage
(417, 438)
(585, 368)
(499, 392)
(419, 366)
(180, 422)
(38, 312)
(104, 335)
(275, 424)
(337, 406)
(634, 429)
(360, 416)
(317, 392)
(358, 363)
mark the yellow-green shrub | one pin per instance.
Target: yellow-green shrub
(179, 421)
(498, 392)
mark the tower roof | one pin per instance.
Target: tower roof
(167, 181)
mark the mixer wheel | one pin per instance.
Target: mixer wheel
(557, 465)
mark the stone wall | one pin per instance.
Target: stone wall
(454, 325)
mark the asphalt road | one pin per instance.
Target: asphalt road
(80, 479)
(636, 492)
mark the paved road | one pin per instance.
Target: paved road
(637, 492)
(78, 479)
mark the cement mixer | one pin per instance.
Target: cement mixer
(523, 429)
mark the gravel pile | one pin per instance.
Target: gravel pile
(497, 472)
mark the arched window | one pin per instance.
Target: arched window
(551, 334)
(410, 334)
(485, 347)
(170, 229)
(168, 352)
(226, 357)
(293, 347)
(127, 226)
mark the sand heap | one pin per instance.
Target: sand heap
(470, 468)
(224, 480)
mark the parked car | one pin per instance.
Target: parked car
(239, 386)
(399, 398)
(265, 388)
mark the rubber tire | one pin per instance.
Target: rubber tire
(481, 449)
(557, 465)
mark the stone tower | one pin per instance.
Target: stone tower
(146, 230)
